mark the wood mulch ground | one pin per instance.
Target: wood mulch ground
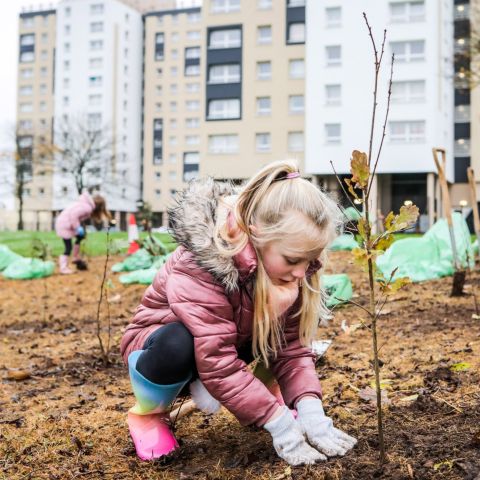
(62, 413)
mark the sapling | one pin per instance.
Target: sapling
(42, 251)
(104, 349)
(373, 244)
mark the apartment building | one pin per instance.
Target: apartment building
(223, 92)
(339, 89)
(35, 111)
(98, 88)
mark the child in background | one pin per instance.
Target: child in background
(244, 284)
(69, 224)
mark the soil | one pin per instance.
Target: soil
(63, 411)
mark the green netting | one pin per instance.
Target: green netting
(146, 275)
(343, 242)
(338, 288)
(430, 256)
(28, 268)
(139, 260)
(7, 257)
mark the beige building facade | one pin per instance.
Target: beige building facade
(34, 126)
(223, 93)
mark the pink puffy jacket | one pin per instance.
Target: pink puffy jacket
(211, 295)
(70, 218)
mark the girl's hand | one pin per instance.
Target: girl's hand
(289, 442)
(319, 429)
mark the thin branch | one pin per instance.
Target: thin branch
(384, 124)
(356, 304)
(343, 188)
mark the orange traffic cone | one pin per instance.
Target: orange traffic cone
(132, 235)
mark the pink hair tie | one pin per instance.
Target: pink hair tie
(293, 175)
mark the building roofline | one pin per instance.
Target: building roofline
(160, 13)
(37, 12)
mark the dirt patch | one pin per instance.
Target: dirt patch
(64, 417)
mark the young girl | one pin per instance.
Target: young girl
(243, 284)
(69, 224)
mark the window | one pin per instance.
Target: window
(296, 3)
(44, 38)
(174, 19)
(25, 142)
(41, 192)
(296, 104)
(192, 105)
(333, 94)
(96, 9)
(66, 47)
(25, 124)
(229, 73)
(295, 142)
(26, 91)
(191, 162)
(96, 27)
(94, 99)
(173, 106)
(175, 37)
(44, 55)
(172, 158)
(296, 68)
(334, 55)
(264, 35)
(43, 71)
(173, 88)
(67, 29)
(173, 71)
(333, 17)
(27, 40)
(172, 140)
(66, 101)
(43, 105)
(159, 46)
(407, 132)
(27, 22)
(224, 6)
(158, 107)
(402, 12)
(192, 70)
(408, 91)
(26, 72)
(193, 35)
(264, 70)
(193, 17)
(158, 192)
(223, 143)
(262, 142)
(26, 107)
(296, 32)
(173, 123)
(192, 52)
(224, 109)
(410, 51)
(264, 105)
(192, 87)
(333, 132)
(174, 54)
(192, 140)
(192, 123)
(264, 4)
(96, 44)
(66, 65)
(66, 83)
(158, 176)
(68, 11)
(158, 90)
(27, 57)
(95, 81)
(231, 38)
(95, 63)
(94, 121)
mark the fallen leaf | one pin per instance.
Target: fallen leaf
(445, 463)
(384, 384)
(370, 395)
(18, 375)
(410, 398)
(287, 473)
(475, 316)
(460, 367)
(349, 329)
(115, 298)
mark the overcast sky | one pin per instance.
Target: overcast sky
(8, 60)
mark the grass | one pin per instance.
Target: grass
(94, 245)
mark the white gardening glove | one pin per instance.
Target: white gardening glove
(319, 429)
(289, 442)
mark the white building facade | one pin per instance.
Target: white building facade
(98, 81)
(339, 89)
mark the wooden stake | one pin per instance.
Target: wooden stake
(473, 199)
(459, 274)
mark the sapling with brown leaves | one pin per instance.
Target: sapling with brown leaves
(373, 244)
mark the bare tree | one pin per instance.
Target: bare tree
(85, 152)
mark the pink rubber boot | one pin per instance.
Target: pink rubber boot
(63, 265)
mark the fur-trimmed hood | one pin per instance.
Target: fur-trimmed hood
(193, 219)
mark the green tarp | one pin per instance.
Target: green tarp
(343, 242)
(338, 288)
(7, 257)
(139, 260)
(28, 268)
(430, 256)
(144, 276)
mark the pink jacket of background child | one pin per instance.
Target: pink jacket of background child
(211, 294)
(69, 219)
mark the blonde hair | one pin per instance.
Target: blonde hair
(271, 200)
